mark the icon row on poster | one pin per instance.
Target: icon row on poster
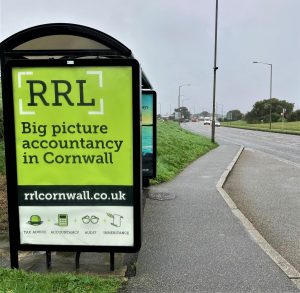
(63, 220)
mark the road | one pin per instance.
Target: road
(265, 185)
(282, 146)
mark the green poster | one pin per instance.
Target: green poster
(75, 153)
(73, 125)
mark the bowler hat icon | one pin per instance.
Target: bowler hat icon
(35, 220)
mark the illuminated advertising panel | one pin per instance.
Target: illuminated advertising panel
(149, 133)
(76, 148)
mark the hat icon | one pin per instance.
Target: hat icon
(35, 220)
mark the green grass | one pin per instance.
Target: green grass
(285, 127)
(19, 281)
(176, 148)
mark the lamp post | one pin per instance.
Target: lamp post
(179, 112)
(215, 76)
(271, 73)
(218, 110)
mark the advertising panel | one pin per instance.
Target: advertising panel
(76, 147)
(149, 133)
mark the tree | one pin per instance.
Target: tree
(234, 115)
(205, 114)
(294, 116)
(185, 114)
(261, 110)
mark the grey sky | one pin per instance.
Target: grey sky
(174, 41)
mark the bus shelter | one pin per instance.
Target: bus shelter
(71, 100)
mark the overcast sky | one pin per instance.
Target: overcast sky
(174, 42)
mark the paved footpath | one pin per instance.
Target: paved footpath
(194, 243)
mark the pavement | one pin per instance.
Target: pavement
(193, 240)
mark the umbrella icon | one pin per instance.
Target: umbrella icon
(35, 220)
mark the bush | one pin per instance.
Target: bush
(294, 116)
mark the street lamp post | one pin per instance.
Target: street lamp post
(271, 73)
(179, 112)
(215, 76)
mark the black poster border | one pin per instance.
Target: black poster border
(10, 154)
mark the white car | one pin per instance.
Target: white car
(206, 121)
(217, 123)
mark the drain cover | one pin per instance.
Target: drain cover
(161, 196)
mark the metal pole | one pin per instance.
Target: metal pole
(112, 261)
(222, 112)
(215, 76)
(179, 112)
(14, 257)
(48, 259)
(271, 96)
(282, 118)
(271, 74)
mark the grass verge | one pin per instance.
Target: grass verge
(176, 148)
(19, 281)
(279, 127)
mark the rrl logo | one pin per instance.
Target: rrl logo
(62, 90)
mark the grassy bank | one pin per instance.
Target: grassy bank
(18, 281)
(285, 127)
(176, 148)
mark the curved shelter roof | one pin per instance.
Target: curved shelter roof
(64, 41)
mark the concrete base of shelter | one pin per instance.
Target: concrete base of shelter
(90, 262)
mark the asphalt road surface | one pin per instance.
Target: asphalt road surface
(282, 146)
